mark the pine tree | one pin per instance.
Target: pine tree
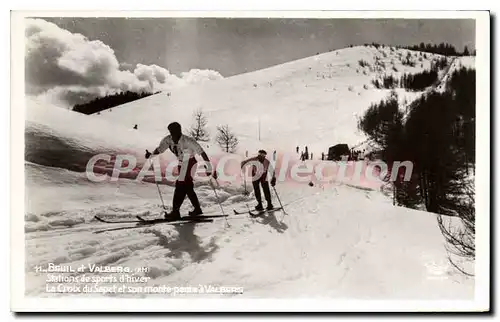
(466, 51)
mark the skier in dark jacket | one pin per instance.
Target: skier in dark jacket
(260, 179)
(181, 145)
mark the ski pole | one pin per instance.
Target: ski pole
(249, 215)
(157, 186)
(281, 205)
(246, 193)
(161, 198)
(218, 201)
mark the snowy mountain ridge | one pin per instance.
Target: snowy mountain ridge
(314, 101)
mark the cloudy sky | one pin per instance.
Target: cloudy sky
(78, 58)
(233, 46)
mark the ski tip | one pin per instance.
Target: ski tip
(263, 212)
(99, 218)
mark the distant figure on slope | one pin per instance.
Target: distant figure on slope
(274, 155)
(185, 148)
(260, 178)
(311, 156)
(322, 155)
(297, 150)
(135, 127)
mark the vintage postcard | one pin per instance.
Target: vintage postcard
(250, 161)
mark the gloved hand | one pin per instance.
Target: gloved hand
(273, 181)
(148, 154)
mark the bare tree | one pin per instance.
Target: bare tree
(460, 234)
(199, 128)
(226, 139)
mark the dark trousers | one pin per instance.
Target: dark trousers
(265, 186)
(185, 186)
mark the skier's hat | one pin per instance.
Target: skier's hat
(262, 152)
(174, 127)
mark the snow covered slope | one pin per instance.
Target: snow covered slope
(456, 64)
(338, 240)
(61, 138)
(313, 101)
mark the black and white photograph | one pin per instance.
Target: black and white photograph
(330, 156)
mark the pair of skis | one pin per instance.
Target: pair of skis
(202, 218)
(142, 221)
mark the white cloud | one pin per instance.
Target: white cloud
(195, 76)
(157, 77)
(69, 68)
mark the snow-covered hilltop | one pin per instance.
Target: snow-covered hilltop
(315, 101)
(339, 239)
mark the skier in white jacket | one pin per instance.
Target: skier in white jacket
(185, 148)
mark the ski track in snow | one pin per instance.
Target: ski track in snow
(340, 239)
